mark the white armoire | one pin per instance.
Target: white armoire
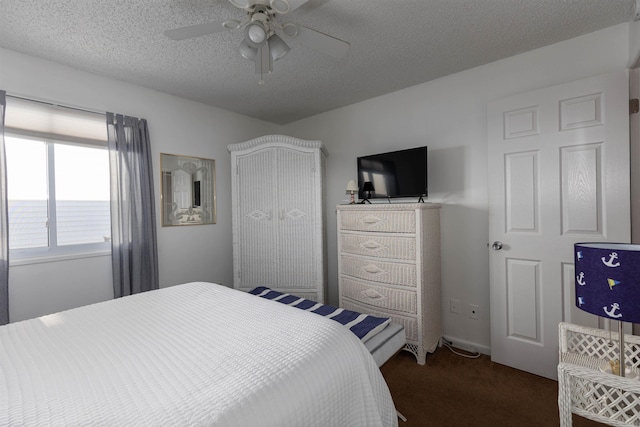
(278, 215)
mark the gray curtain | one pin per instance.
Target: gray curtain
(133, 224)
(4, 221)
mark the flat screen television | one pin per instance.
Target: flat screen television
(395, 174)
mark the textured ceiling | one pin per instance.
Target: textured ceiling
(394, 44)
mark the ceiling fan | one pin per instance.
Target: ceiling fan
(261, 42)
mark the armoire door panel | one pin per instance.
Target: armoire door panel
(257, 221)
(297, 204)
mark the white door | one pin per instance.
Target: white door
(558, 175)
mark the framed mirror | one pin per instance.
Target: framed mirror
(188, 194)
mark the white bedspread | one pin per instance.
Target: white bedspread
(189, 355)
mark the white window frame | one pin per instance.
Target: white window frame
(86, 131)
(53, 249)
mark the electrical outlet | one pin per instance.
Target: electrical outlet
(454, 306)
(473, 311)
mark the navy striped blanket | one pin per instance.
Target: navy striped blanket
(364, 326)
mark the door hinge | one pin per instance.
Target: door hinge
(634, 106)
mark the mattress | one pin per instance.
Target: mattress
(386, 343)
(194, 354)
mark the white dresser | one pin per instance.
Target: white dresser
(278, 215)
(389, 265)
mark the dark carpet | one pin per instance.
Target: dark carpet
(451, 390)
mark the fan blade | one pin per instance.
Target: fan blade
(197, 30)
(296, 4)
(317, 40)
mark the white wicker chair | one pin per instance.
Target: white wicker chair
(585, 390)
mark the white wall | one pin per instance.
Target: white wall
(449, 116)
(176, 126)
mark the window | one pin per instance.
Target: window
(58, 180)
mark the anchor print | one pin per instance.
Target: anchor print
(580, 301)
(612, 312)
(580, 279)
(610, 263)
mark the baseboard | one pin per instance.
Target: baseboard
(467, 345)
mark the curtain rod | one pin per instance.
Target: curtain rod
(86, 110)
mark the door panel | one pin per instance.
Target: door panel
(581, 197)
(558, 175)
(523, 290)
(296, 218)
(521, 180)
(257, 227)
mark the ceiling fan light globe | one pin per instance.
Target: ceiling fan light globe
(280, 6)
(255, 34)
(247, 52)
(278, 48)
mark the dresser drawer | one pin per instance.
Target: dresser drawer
(378, 245)
(394, 273)
(410, 323)
(384, 221)
(404, 301)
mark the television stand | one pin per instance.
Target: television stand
(420, 200)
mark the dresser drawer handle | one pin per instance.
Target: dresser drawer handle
(371, 269)
(371, 245)
(370, 293)
(370, 220)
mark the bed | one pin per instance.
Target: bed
(194, 354)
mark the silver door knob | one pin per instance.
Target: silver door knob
(496, 246)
